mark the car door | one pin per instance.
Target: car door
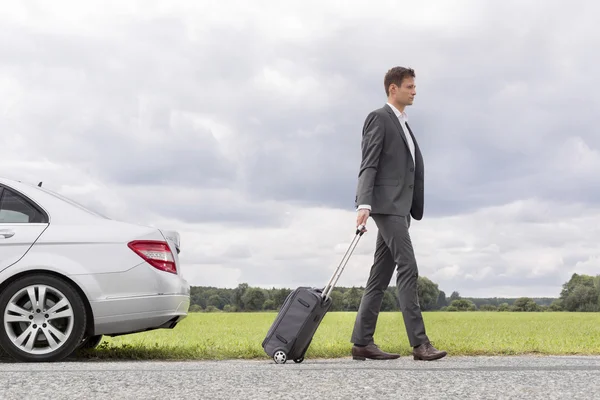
(21, 224)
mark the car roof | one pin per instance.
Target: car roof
(58, 207)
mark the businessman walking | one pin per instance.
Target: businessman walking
(390, 190)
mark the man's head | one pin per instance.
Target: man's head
(400, 86)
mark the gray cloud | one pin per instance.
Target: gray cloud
(225, 207)
(489, 118)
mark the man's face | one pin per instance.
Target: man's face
(405, 93)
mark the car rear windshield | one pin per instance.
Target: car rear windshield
(73, 203)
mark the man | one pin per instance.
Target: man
(390, 190)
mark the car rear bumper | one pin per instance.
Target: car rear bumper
(136, 314)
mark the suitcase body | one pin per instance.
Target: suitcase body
(295, 325)
(300, 315)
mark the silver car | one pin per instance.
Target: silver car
(68, 275)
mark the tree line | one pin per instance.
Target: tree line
(580, 293)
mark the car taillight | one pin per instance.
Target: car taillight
(156, 253)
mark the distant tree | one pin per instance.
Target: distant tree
(352, 299)
(238, 293)
(455, 296)
(488, 307)
(337, 299)
(525, 304)
(253, 299)
(441, 301)
(269, 304)
(279, 296)
(463, 305)
(581, 293)
(216, 301)
(428, 293)
(196, 297)
(575, 281)
(389, 301)
(556, 305)
(582, 298)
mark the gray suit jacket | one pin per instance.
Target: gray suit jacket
(388, 179)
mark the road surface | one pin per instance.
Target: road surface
(451, 378)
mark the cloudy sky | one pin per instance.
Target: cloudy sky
(239, 123)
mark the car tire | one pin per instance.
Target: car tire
(90, 342)
(41, 332)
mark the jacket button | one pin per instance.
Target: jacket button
(411, 186)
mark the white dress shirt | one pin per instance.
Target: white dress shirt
(402, 118)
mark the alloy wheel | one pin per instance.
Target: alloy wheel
(38, 319)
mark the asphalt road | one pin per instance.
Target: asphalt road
(451, 378)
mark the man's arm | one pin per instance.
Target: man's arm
(372, 144)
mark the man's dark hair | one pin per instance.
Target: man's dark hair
(396, 75)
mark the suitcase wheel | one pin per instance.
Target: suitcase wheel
(299, 360)
(280, 357)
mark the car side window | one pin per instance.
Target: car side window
(15, 209)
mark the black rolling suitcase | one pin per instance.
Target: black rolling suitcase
(301, 314)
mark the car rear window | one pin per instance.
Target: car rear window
(72, 202)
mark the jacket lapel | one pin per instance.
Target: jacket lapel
(418, 155)
(397, 123)
(413, 138)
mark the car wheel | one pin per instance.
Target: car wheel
(42, 319)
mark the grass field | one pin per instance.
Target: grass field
(216, 336)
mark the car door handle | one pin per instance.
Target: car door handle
(7, 234)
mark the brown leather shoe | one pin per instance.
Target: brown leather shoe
(371, 351)
(427, 352)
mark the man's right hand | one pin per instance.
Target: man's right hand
(362, 217)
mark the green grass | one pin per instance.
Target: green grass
(217, 336)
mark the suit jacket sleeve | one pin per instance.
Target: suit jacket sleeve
(371, 146)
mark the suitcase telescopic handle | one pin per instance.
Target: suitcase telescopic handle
(338, 271)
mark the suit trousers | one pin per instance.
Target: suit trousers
(393, 248)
